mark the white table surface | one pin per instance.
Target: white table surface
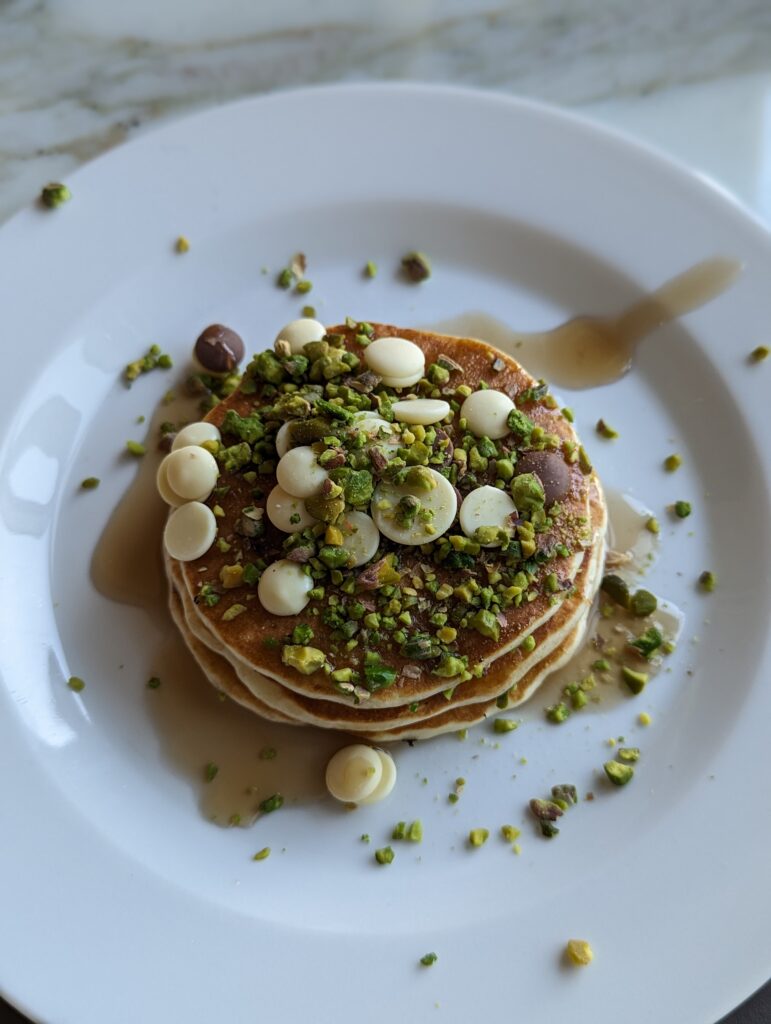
(692, 77)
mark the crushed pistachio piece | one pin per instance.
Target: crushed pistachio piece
(708, 581)
(262, 854)
(760, 353)
(416, 267)
(415, 832)
(634, 680)
(643, 603)
(644, 718)
(153, 683)
(478, 836)
(364, 838)
(385, 855)
(428, 959)
(653, 526)
(54, 194)
(136, 448)
(272, 803)
(673, 462)
(268, 754)
(682, 509)
(90, 483)
(619, 774)
(182, 244)
(510, 833)
(605, 430)
(505, 725)
(579, 952)
(210, 771)
(75, 683)
(629, 754)
(558, 713)
(370, 269)
(233, 612)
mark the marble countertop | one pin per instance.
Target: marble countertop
(690, 76)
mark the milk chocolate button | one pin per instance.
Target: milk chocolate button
(551, 469)
(218, 349)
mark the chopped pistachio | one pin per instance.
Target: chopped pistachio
(619, 774)
(617, 589)
(306, 660)
(673, 462)
(528, 644)
(634, 680)
(568, 414)
(90, 483)
(510, 833)
(262, 854)
(233, 612)
(428, 959)
(643, 603)
(415, 832)
(136, 448)
(399, 830)
(364, 837)
(385, 855)
(707, 581)
(682, 509)
(652, 525)
(182, 244)
(505, 725)
(268, 754)
(416, 267)
(760, 353)
(303, 287)
(370, 269)
(54, 194)
(478, 836)
(153, 683)
(605, 430)
(75, 683)
(644, 718)
(210, 771)
(558, 713)
(462, 734)
(579, 952)
(272, 803)
(601, 665)
(629, 754)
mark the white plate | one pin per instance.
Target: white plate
(120, 900)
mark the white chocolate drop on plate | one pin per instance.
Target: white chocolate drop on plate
(487, 413)
(387, 779)
(441, 500)
(190, 531)
(283, 588)
(421, 410)
(191, 473)
(395, 359)
(299, 473)
(282, 508)
(165, 491)
(485, 506)
(195, 434)
(299, 332)
(354, 773)
(360, 536)
(282, 439)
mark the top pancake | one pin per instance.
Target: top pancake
(257, 637)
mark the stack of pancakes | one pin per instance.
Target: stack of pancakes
(242, 656)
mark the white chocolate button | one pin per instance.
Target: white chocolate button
(283, 588)
(360, 537)
(485, 506)
(354, 773)
(299, 332)
(441, 500)
(487, 413)
(282, 439)
(191, 473)
(421, 410)
(164, 490)
(402, 382)
(282, 508)
(195, 434)
(190, 531)
(299, 473)
(395, 359)
(387, 779)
